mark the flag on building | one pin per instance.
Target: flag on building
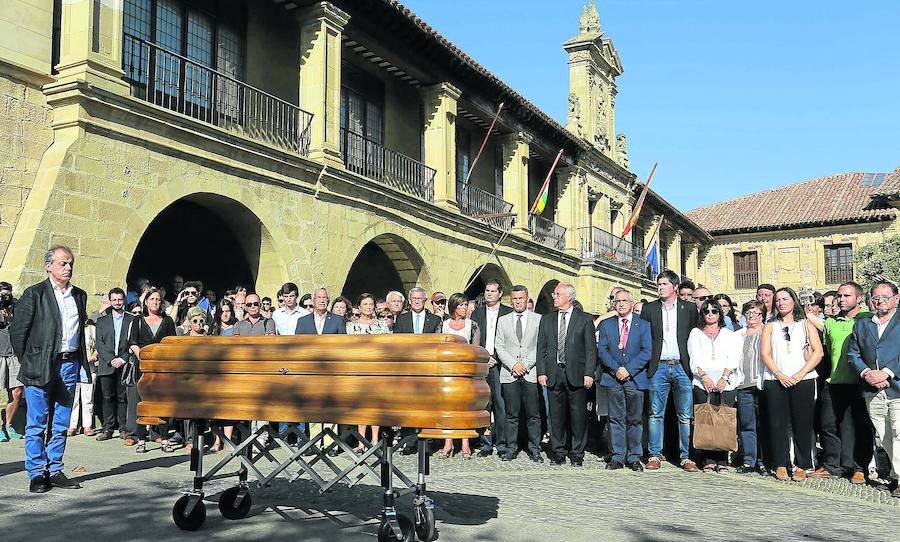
(541, 201)
(652, 251)
(638, 206)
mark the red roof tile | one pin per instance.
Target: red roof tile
(844, 198)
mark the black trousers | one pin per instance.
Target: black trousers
(728, 398)
(568, 410)
(847, 433)
(520, 395)
(115, 402)
(498, 438)
(790, 411)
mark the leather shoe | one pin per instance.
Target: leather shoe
(822, 472)
(485, 453)
(654, 463)
(129, 442)
(104, 436)
(577, 461)
(39, 484)
(858, 478)
(799, 475)
(536, 458)
(689, 466)
(636, 466)
(557, 460)
(509, 456)
(781, 474)
(614, 465)
(59, 480)
(745, 469)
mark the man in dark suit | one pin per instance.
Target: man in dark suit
(47, 336)
(321, 321)
(671, 321)
(567, 362)
(419, 319)
(112, 350)
(486, 318)
(875, 355)
(624, 350)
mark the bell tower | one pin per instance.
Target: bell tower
(593, 67)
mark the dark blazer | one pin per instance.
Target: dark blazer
(334, 325)
(867, 351)
(635, 358)
(581, 348)
(145, 335)
(480, 318)
(431, 324)
(36, 332)
(106, 341)
(687, 320)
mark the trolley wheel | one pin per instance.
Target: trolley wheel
(191, 522)
(385, 534)
(227, 506)
(425, 528)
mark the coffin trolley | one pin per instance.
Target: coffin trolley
(432, 383)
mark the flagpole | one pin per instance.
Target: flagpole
(546, 182)
(483, 143)
(635, 211)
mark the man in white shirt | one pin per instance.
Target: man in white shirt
(486, 318)
(287, 315)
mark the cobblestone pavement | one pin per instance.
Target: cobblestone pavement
(129, 497)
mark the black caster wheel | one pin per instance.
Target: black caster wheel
(385, 534)
(227, 507)
(191, 522)
(425, 528)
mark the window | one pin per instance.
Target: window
(463, 154)
(838, 264)
(362, 128)
(746, 270)
(498, 171)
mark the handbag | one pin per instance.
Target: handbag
(715, 427)
(130, 369)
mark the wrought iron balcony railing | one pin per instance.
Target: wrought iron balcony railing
(546, 232)
(838, 274)
(746, 280)
(487, 207)
(597, 243)
(170, 80)
(364, 156)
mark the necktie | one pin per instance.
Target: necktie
(623, 340)
(519, 327)
(418, 324)
(561, 339)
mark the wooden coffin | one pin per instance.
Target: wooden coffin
(422, 381)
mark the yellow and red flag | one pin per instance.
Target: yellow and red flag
(638, 206)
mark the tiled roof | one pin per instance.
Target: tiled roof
(836, 199)
(890, 187)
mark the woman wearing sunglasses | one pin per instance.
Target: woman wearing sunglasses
(715, 357)
(790, 349)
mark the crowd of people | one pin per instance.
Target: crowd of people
(824, 369)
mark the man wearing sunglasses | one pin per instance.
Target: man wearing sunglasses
(701, 294)
(439, 305)
(255, 324)
(875, 355)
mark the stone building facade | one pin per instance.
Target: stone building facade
(326, 143)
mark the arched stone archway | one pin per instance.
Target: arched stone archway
(543, 303)
(478, 280)
(203, 236)
(384, 263)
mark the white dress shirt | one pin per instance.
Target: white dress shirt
(490, 316)
(68, 314)
(670, 332)
(881, 327)
(320, 321)
(418, 321)
(286, 322)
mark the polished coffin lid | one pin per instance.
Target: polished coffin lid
(423, 381)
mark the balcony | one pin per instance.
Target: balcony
(746, 280)
(547, 232)
(166, 79)
(365, 157)
(838, 274)
(597, 243)
(487, 207)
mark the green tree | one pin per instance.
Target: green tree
(881, 259)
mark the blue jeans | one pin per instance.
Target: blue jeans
(747, 409)
(41, 456)
(626, 413)
(665, 378)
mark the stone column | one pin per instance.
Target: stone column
(90, 45)
(674, 255)
(571, 208)
(515, 178)
(440, 141)
(320, 78)
(692, 253)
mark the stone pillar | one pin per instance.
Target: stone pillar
(673, 258)
(515, 178)
(90, 44)
(691, 254)
(320, 78)
(571, 207)
(440, 141)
